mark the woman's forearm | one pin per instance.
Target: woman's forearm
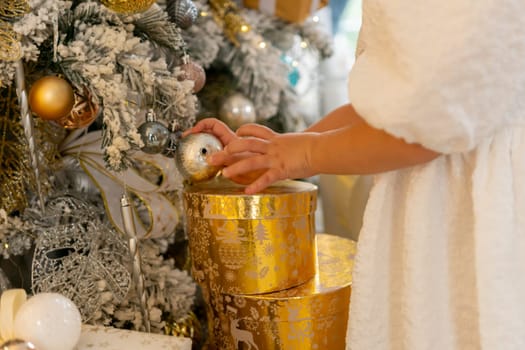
(338, 118)
(358, 148)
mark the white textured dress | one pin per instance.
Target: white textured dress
(441, 254)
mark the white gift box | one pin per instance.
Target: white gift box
(106, 338)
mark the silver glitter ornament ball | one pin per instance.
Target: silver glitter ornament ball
(17, 344)
(237, 110)
(182, 12)
(154, 135)
(191, 156)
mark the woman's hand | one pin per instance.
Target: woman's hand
(264, 156)
(215, 127)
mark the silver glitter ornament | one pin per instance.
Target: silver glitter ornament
(79, 256)
(182, 12)
(154, 135)
(191, 156)
(237, 110)
(17, 344)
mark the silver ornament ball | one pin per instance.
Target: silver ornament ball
(237, 110)
(17, 344)
(182, 12)
(191, 156)
(154, 135)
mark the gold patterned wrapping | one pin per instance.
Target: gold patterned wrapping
(250, 244)
(292, 11)
(311, 316)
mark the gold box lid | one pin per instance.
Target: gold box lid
(221, 198)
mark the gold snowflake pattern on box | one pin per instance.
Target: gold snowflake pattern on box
(311, 316)
(252, 244)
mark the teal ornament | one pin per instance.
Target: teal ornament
(293, 72)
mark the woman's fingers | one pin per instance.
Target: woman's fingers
(212, 126)
(247, 144)
(263, 181)
(255, 130)
(245, 165)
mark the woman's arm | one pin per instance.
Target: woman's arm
(358, 148)
(352, 148)
(339, 117)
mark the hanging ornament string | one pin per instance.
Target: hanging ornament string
(55, 35)
(27, 123)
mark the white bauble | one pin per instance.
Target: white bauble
(49, 321)
(237, 110)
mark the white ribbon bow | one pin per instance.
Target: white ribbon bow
(10, 303)
(163, 215)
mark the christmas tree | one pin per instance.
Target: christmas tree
(93, 98)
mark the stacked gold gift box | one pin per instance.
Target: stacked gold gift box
(269, 281)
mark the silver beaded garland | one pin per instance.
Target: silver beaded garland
(191, 156)
(154, 135)
(182, 12)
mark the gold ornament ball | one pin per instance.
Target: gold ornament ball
(128, 6)
(51, 98)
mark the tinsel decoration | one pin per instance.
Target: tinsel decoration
(78, 256)
(128, 6)
(10, 49)
(227, 14)
(14, 163)
(182, 12)
(136, 261)
(9, 43)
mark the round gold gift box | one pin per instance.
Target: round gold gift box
(311, 316)
(251, 244)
